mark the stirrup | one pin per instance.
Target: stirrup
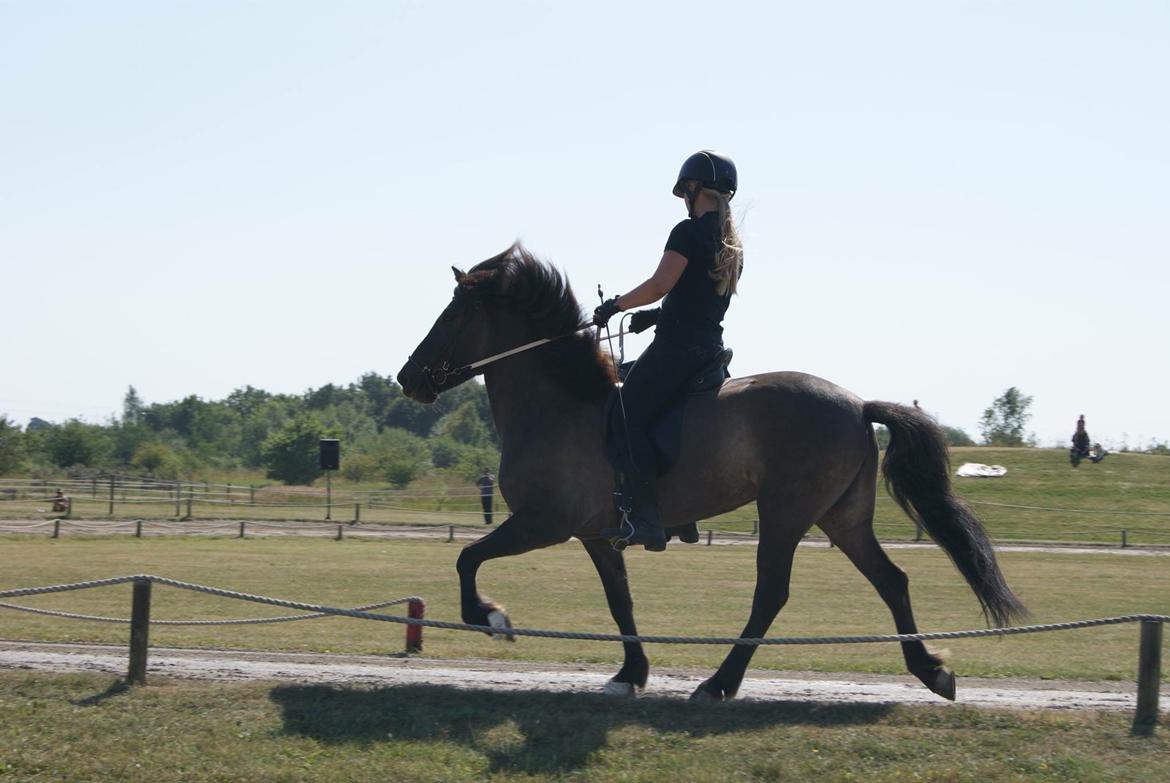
(618, 536)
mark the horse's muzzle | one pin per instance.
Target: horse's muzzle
(416, 383)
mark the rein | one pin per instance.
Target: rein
(439, 375)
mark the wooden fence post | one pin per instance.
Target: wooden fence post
(242, 523)
(450, 533)
(1149, 678)
(138, 529)
(357, 513)
(415, 609)
(710, 533)
(111, 495)
(338, 536)
(139, 631)
(56, 528)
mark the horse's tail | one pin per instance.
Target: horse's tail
(917, 474)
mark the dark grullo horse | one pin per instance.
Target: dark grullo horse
(801, 447)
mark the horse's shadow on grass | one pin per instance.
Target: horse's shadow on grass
(557, 732)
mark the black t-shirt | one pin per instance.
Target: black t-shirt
(693, 311)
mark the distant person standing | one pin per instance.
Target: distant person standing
(1080, 441)
(487, 485)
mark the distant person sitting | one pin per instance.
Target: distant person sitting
(486, 488)
(60, 502)
(1080, 441)
(1097, 453)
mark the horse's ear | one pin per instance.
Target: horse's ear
(459, 274)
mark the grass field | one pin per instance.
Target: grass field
(695, 590)
(90, 727)
(1094, 503)
(79, 728)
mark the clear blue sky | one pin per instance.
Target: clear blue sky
(939, 199)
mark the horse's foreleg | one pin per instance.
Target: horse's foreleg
(518, 534)
(611, 567)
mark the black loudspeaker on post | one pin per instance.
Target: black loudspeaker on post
(330, 454)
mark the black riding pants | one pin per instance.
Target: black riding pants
(653, 383)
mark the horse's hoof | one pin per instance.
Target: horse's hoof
(500, 621)
(624, 690)
(707, 692)
(942, 682)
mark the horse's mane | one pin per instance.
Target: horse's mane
(517, 280)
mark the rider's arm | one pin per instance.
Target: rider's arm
(670, 269)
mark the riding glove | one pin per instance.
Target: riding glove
(606, 310)
(644, 319)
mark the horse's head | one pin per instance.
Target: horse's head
(501, 304)
(459, 337)
(485, 316)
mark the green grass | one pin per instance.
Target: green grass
(86, 728)
(691, 590)
(1115, 488)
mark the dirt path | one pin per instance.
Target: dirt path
(238, 665)
(152, 528)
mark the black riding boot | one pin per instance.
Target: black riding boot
(637, 503)
(644, 519)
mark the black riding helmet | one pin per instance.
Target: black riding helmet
(709, 169)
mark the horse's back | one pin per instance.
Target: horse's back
(774, 431)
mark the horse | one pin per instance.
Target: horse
(803, 448)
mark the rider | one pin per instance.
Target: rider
(1080, 441)
(698, 273)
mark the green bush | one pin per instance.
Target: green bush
(78, 443)
(360, 467)
(11, 441)
(445, 452)
(158, 460)
(291, 454)
(403, 456)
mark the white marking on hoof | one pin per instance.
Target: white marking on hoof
(499, 621)
(623, 689)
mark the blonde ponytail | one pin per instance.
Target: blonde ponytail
(729, 259)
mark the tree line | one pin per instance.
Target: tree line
(385, 436)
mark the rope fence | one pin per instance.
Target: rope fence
(1149, 666)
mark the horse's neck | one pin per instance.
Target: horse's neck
(524, 397)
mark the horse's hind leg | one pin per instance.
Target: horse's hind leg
(611, 567)
(780, 533)
(849, 525)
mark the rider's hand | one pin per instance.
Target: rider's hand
(605, 311)
(644, 319)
